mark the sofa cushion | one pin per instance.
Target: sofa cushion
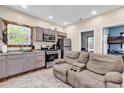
(62, 68)
(102, 64)
(70, 60)
(72, 54)
(59, 61)
(89, 79)
(114, 77)
(83, 57)
(113, 85)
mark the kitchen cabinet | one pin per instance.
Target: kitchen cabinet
(1, 29)
(40, 60)
(2, 69)
(39, 33)
(62, 34)
(14, 66)
(29, 62)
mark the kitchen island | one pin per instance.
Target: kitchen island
(13, 63)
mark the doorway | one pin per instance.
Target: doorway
(87, 41)
(113, 40)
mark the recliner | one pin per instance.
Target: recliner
(90, 70)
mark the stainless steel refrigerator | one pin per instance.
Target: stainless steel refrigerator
(64, 44)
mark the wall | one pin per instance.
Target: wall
(19, 17)
(109, 18)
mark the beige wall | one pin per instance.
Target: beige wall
(111, 18)
(19, 17)
(25, 19)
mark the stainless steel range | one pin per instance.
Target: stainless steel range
(51, 55)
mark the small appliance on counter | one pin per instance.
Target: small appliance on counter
(3, 48)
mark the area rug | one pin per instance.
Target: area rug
(43, 78)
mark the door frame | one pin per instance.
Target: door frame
(86, 30)
(107, 26)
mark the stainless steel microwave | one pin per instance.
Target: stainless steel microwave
(48, 37)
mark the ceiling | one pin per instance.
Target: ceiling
(63, 13)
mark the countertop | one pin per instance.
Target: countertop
(19, 52)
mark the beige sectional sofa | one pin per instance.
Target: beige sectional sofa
(89, 70)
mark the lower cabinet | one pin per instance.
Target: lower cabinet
(39, 60)
(29, 63)
(2, 69)
(14, 66)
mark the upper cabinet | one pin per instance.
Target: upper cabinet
(1, 29)
(39, 33)
(47, 35)
(62, 35)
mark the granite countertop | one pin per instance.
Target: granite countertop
(19, 52)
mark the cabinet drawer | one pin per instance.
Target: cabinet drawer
(29, 63)
(14, 66)
(39, 58)
(29, 54)
(39, 53)
(2, 57)
(14, 56)
(2, 69)
(39, 64)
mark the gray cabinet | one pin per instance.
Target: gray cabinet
(28, 63)
(39, 60)
(14, 66)
(1, 29)
(39, 34)
(2, 69)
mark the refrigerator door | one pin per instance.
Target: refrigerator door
(67, 42)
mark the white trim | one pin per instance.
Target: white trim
(107, 26)
(86, 30)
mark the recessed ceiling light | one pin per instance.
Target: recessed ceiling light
(65, 23)
(93, 12)
(50, 17)
(24, 6)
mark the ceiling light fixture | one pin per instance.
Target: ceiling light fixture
(65, 23)
(93, 12)
(24, 6)
(50, 17)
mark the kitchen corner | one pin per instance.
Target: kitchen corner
(40, 48)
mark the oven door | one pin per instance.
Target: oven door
(51, 57)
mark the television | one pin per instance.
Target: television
(18, 35)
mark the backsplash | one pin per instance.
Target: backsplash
(39, 44)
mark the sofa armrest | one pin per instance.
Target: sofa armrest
(78, 66)
(59, 61)
(113, 77)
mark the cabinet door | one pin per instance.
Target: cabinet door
(39, 34)
(39, 61)
(2, 69)
(1, 29)
(29, 63)
(14, 66)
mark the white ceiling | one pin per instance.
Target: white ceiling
(64, 13)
